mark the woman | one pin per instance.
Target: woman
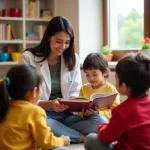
(55, 58)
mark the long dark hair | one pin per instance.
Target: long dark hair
(134, 71)
(57, 24)
(19, 80)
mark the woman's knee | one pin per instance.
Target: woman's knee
(103, 119)
(99, 118)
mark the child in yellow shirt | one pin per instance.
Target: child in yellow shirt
(23, 124)
(96, 69)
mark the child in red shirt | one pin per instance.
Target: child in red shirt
(129, 126)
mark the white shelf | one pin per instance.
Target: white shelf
(112, 64)
(20, 26)
(38, 19)
(32, 42)
(8, 63)
(11, 41)
(12, 18)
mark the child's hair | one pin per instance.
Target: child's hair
(134, 71)
(19, 80)
(96, 61)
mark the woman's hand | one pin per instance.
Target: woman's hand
(90, 112)
(57, 107)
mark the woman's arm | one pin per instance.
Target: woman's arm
(45, 104)
(76, 79)
(54, 104)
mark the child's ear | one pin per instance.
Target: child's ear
(125, 89)
(106, 73)
(34, 92)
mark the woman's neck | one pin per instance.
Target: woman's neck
(52, 60)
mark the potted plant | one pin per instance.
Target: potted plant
(107, 51)
(146, 46)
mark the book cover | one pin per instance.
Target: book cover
(96, 99)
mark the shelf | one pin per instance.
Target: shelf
(8, 63)
(20, 26)
(33, 42)
(37, 19)
(12, 18)
(11, 41)
(112, 64)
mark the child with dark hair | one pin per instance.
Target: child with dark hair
(23, 124)
(96, 69)
(129, 126)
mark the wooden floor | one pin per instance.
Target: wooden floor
(76, 147)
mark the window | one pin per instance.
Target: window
(125, 23)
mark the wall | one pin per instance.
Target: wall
(69, 9)
(86, 19)
(90, 27)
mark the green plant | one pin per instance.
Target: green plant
(145, 43)
(106, 50)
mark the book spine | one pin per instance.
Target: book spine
(8, 31)
(37, 9)
(27, 8)
(30, 9)
(0, 31)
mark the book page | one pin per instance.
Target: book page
(76, 99)
(104, 100)
(101, 94)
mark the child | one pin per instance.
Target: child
(23, 124)
(130, 121)
(96, 69)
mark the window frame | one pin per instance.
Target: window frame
(105, 21)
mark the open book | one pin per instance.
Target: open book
(96, 99)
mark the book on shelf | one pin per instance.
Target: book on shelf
(39, 30)
(96, 99)
(5, 31)
(32, 8)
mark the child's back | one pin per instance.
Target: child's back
(23, 124)
(134, 120)
(20, 129)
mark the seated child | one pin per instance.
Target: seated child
(23, 124)
(129, 126)
(96, 69)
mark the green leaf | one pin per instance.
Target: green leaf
(106, 50)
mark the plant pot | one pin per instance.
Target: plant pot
(109, 57)
(146, 51)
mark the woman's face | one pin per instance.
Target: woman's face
(59, 43)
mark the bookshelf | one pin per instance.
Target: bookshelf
(20, 25)
(23, 24)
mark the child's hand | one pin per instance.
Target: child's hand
(57, 107)
(90, 112)
(66, 140)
